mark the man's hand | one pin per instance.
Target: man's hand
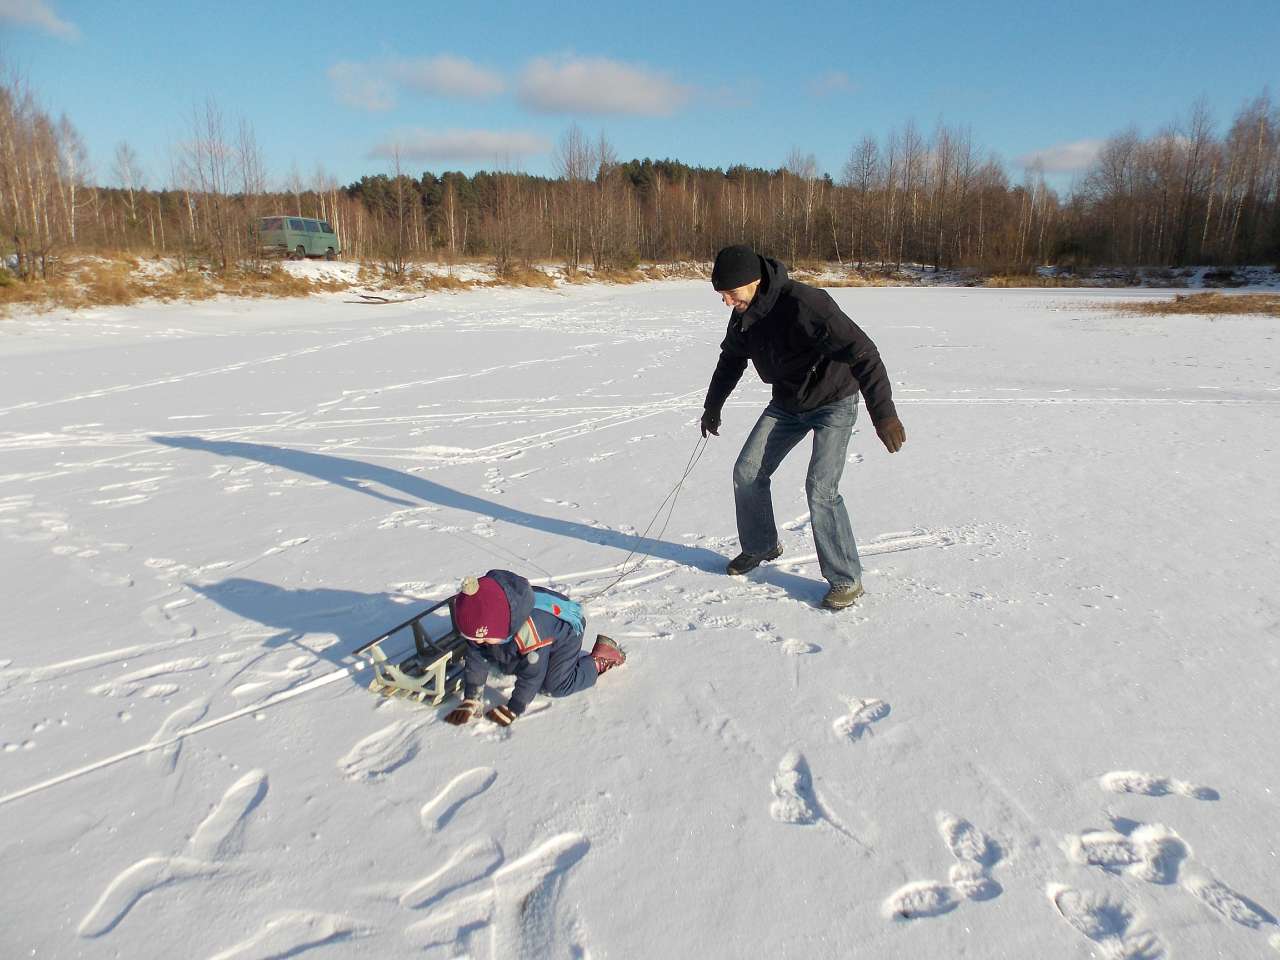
(892, 434)
(710, 423)
(502, 716)
(461, 715)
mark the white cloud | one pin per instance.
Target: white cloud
(356, 85)
(447, 76)
(373, 85)
(1063, 157)
(459, 146)
(831, 83)
(599, 86)
(37, 13)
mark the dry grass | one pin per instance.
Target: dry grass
(852, 278)
(619, 275)
(1035, 280)
(1212, 304)
(520, 276)
(445, 283)
(682, 270)
(100, 282)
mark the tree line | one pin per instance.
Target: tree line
(1185, 194)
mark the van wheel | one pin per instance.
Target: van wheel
(330, 255)
(300, 253)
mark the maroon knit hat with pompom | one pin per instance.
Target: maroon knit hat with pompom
(481, 611)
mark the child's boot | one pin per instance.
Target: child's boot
(607, 654)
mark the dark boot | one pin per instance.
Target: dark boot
(746, 562)
(607, 654)
(845, 595)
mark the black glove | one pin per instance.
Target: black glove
(461, 715)
(710, 423)
(502, 716)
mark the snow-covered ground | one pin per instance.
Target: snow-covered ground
(1048, 730)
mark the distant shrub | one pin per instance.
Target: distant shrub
(1222, 277)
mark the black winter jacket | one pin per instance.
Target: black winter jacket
(802, 343)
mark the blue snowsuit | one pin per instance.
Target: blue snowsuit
(557, 667)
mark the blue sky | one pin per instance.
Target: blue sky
(462, 85)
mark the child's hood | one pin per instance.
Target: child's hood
(519, 595)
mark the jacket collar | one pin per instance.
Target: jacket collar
(773, 278)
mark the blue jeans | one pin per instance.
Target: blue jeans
(773, 437)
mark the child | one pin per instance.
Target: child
(528, 631)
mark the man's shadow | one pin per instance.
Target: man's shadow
(361, 477)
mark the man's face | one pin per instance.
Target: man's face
(740, 297)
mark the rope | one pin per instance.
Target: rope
(672, 497)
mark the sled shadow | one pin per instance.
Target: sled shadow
(376, 481)
(350, 616)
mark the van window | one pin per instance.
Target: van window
(312, 226)
(295, 223)
(324, 227)
(272, 223)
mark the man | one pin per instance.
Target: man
(817, 360)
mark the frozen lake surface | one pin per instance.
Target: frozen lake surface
(1047, 731)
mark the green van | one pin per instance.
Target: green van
(298, 237)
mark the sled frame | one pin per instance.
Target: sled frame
(432, 672)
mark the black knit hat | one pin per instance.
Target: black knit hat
(735, 267)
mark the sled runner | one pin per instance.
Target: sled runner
(435, 667)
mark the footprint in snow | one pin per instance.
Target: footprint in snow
(291, 933)
(382, 751)
(440, 809)
(1108, 922)
(218, 837)
(1155, 854)
(968, 879)
(513, 908)
(792, 787)
(1150, 852)
(862, 714)
(1146, 784)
